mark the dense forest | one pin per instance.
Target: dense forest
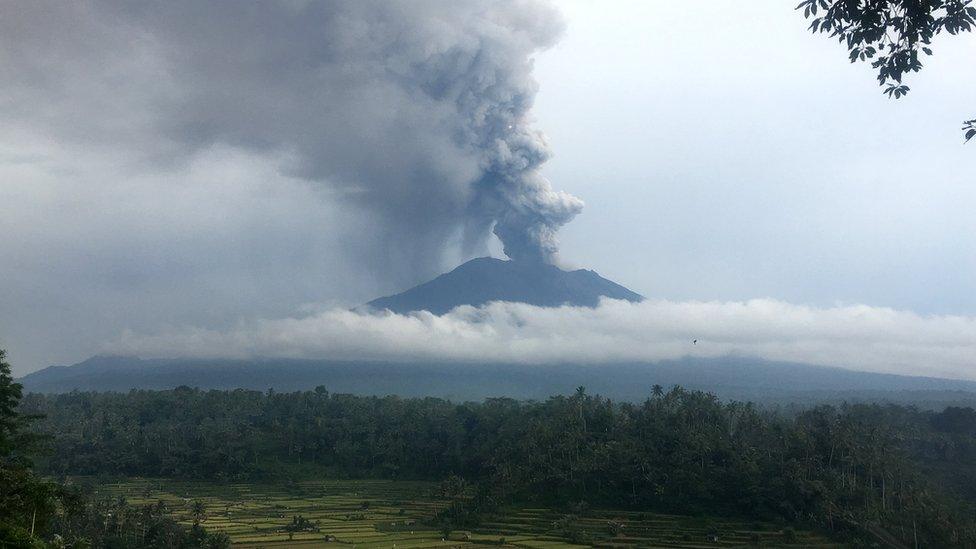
(888, 468)
(36, 513)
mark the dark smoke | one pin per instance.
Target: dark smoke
(415, 111)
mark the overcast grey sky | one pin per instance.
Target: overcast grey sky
(723, 154)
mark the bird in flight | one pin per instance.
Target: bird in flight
(694, 342)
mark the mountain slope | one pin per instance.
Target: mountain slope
(729, 377)
(486, 279)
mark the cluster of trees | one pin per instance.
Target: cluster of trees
(908, 473)
(36, 513)
(892, 35)
(82, 519)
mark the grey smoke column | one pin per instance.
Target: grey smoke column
(493, 92)
(414, 111)
(487, 78)
(522, 204)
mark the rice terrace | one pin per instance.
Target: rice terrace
(382, 513)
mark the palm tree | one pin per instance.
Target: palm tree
(198, 509)
(580, 399)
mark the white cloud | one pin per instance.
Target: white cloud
(857, 337)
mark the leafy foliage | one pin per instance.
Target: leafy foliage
(890, 34)
(301, 524)
(909, 472)
(969, 127)
(23, 496)
(16, 441)
(89, 521)
(36, 513)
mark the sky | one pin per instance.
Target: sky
(735, 169)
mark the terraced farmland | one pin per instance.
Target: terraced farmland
(378, 513)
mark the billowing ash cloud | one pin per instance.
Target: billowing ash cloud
(415, 111)
(858, 337)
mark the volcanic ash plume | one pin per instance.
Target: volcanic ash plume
(511, 195)
(415, 111)
(521, 204)
(486, 79)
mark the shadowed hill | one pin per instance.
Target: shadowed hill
(729, 377)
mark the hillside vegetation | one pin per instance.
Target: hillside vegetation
(384, 513)
(892, 470)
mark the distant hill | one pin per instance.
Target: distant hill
(730, 377)
(486, 279)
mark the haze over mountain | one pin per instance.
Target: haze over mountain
(355, 352)
(729, 377)
(487, 279)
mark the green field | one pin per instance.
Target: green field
(378, 513)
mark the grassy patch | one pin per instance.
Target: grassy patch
(378, 513)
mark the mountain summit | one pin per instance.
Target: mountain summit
(486, 279)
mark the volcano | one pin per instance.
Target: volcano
(487, 279)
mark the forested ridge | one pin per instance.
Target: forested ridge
(907, 471)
